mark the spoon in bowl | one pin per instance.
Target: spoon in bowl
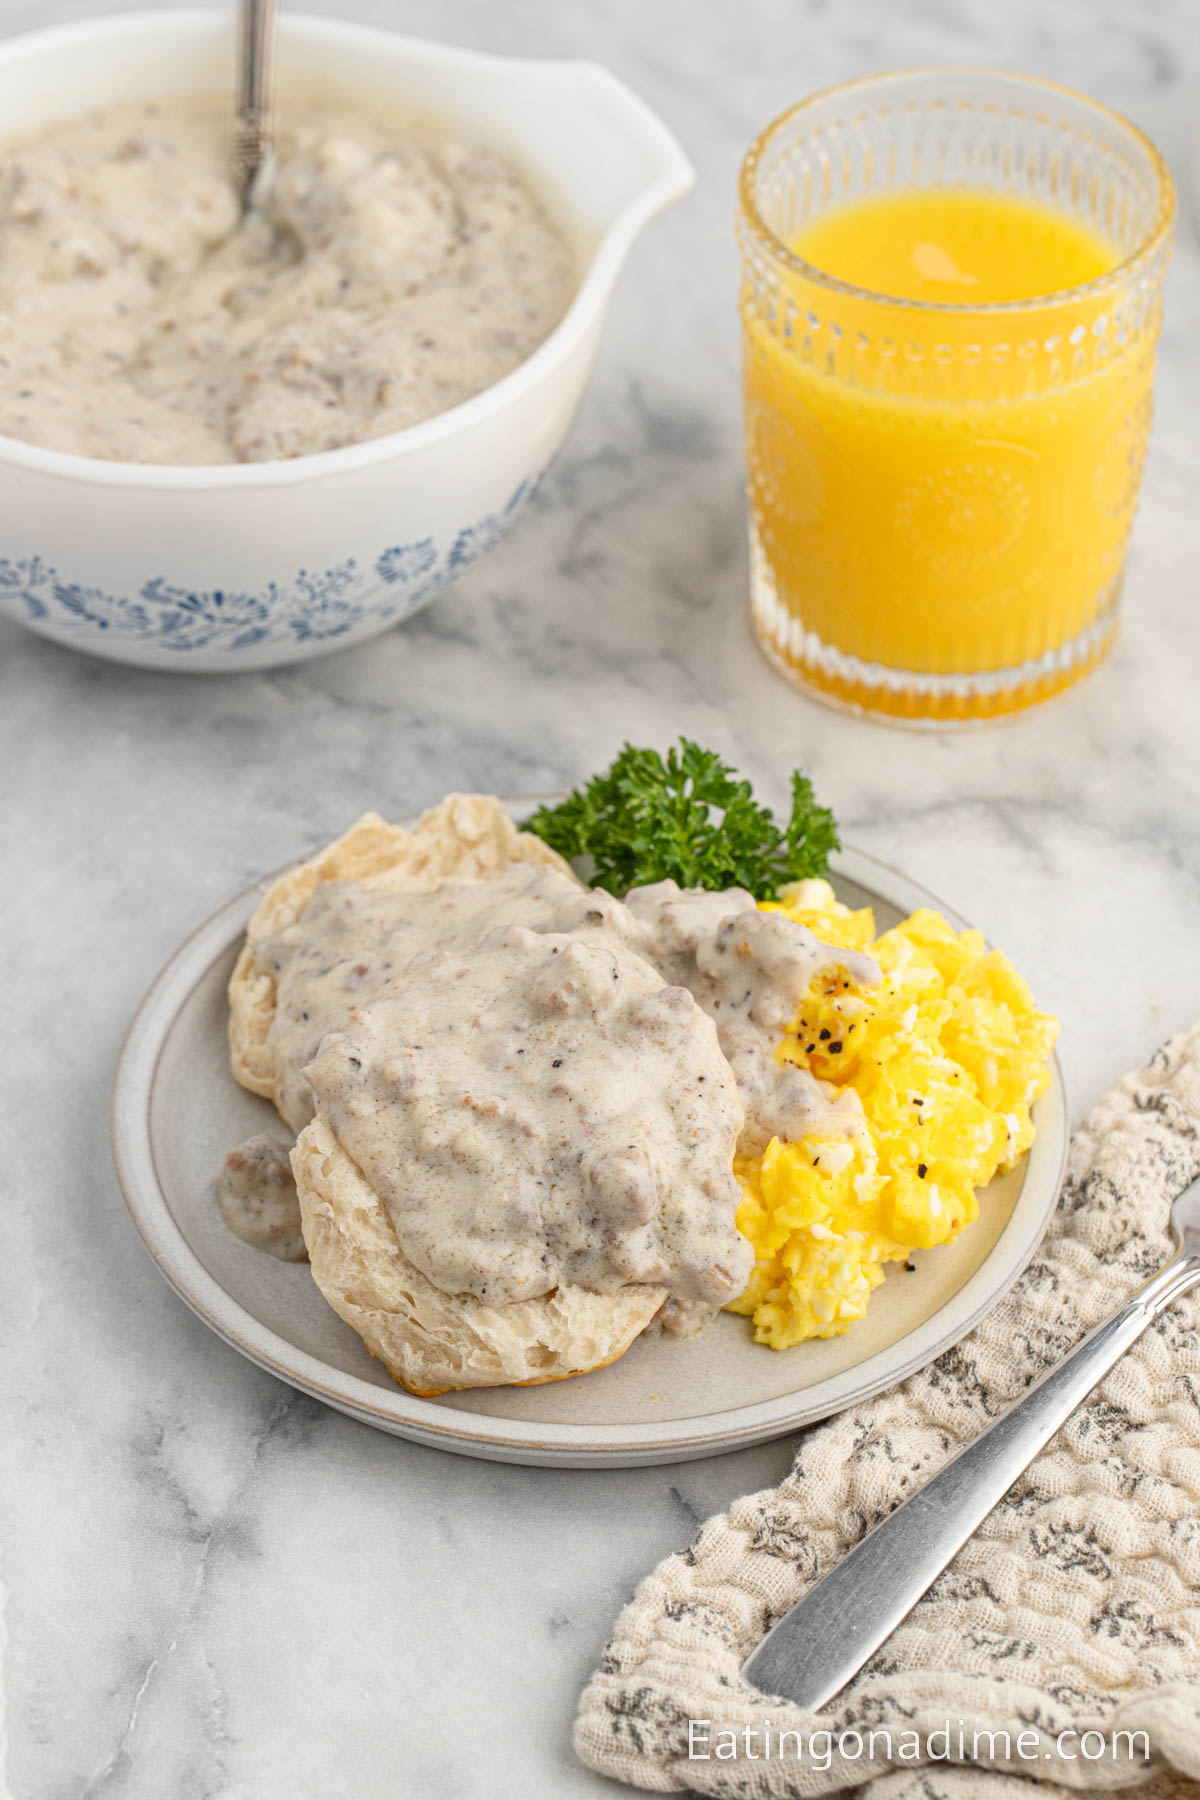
(254, 101)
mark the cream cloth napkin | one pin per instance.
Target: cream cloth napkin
(1077, 1605)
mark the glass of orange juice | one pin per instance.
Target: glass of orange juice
(951, 294)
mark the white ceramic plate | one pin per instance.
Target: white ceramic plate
(177, 1109)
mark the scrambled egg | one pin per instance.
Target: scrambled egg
(947, 1056)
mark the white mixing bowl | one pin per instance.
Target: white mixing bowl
(252, 565)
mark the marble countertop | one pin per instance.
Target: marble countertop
(211, 1585)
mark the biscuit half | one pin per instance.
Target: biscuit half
(430, 1341)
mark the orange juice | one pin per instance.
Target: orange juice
(944, 445)
(954, 246)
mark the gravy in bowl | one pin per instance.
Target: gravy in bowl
(383, 279)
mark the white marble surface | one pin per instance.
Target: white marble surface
(213, 1587)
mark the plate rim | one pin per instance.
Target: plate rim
(581, 1446)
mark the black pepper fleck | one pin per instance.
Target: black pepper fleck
(922, 1170)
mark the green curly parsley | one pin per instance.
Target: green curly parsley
(690, 817)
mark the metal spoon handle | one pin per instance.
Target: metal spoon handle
(823, 1641)
(255, 72)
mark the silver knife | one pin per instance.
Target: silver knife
(822, 1642)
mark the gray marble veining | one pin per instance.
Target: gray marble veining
(212, 1586)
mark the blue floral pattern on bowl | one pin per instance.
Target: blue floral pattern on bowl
(312, 606)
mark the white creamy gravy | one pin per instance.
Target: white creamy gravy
(538, 1111)
(351, 939)
(385, 279)
(257, 1197)
(749, 970)
(335, 971)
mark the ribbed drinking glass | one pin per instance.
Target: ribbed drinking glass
(941, 494)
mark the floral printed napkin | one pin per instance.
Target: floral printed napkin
(1062, 1645)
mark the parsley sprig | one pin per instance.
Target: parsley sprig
(689, 816)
